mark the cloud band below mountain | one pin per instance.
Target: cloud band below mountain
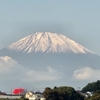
(10, 69)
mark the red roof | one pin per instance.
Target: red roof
(18, 91)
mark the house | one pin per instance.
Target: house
(34, 96)
(18, 91)
(2, 93)
(87, 94)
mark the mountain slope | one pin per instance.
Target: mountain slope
(44, 49)
(47, 42)
(38, 51)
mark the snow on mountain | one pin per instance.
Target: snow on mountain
(47, 42)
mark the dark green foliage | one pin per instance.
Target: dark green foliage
(62, 93)
(92, 87)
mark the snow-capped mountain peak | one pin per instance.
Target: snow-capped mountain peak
(47, 42)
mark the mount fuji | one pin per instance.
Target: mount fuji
(63, 60)
(47, 42)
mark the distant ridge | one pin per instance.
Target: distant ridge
(47, 42)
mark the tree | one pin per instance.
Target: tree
(62, 93)
(92, 87)
(47, 93)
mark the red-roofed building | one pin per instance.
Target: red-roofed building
(18, 91)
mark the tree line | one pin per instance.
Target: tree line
(62, 93)
(69, 93)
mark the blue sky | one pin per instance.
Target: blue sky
(77, 19)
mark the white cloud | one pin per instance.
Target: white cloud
(86, 73)
(44, 75)
(10, 69)
(7, 64)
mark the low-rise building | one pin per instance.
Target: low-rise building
(34, 96)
